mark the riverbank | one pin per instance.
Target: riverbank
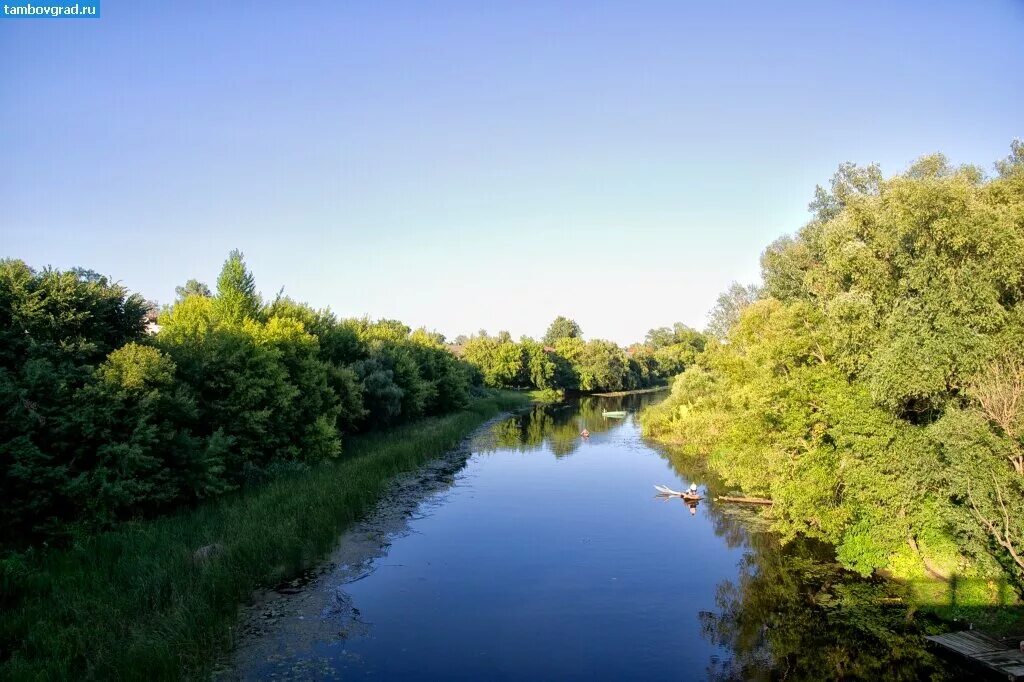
(315, 607)
(159, 599)
(510, 542)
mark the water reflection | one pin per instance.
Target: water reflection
(548, 559)
(559, 427)
(793, 612)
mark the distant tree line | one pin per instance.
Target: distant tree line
(563, 361)
(873, 384)
(102, 421)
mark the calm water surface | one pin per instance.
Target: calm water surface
(547, 556)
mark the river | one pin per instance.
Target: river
(533, 553)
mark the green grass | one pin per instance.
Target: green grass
(134, 604)
(987, 604)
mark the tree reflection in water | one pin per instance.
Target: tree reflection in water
(793, 613)
(790, 614)
(558, 426)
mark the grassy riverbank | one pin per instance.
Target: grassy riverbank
(136, 603)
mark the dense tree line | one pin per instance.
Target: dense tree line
(102, 421)
(564, 361)
(873, 384)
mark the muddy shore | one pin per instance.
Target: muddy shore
(280, 624)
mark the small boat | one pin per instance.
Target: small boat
(668, 492)
(617, 414)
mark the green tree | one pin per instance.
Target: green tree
(872, 389)
(538, 365)
(562, 328)
(602, 366)
(138, 453)
(728, 308)
(193, 287)
(500, 361)
(236, 298)
(56, 328)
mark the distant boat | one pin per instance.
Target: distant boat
(619, 414)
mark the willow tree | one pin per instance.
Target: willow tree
(868, 388)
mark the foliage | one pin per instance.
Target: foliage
(562, 328)
(872, 386)
(500, 361)
(193, 287)
(56, 328)
(565, 361)
(674, 349)
(101, 423)
(602, 366)
(728, 308)
(236, 299)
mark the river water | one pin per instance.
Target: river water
(533, 553)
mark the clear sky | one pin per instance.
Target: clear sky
(474, 165)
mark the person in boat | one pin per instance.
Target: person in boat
(585, 434)
(691, 498)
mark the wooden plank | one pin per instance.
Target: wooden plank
(984, 650)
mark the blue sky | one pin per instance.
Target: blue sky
(474, 165)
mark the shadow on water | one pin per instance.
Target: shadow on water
(793, 612)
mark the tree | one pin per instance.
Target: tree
(55, 329)
(562, 328)
(236, 299)
(138, 452)
(602, 366)
(101, 422)
(848, 183)
(193, 287)
(538, 369)
(1003, 525)
(671, 350)
(500, 361)
(728, 308)
(1014, 163)
(872, 388)
(999, 392)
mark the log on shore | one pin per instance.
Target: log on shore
(743, 500)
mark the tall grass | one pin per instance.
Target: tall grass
(135, 603)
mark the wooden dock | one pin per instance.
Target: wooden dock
(984, 650)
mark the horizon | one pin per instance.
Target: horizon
(461, 167)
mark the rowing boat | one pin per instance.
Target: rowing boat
(617, 414)
(668, 492)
